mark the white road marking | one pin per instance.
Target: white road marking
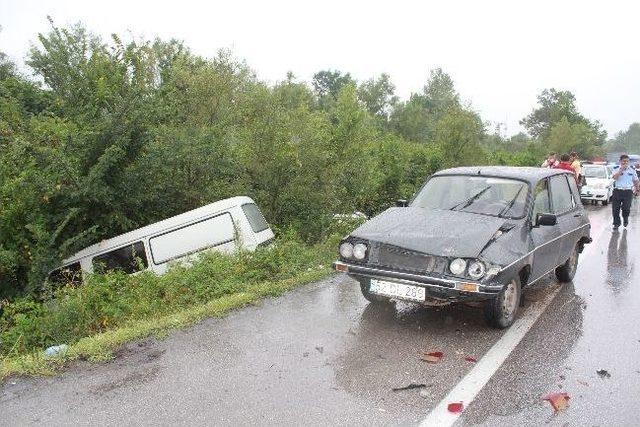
(476, 378)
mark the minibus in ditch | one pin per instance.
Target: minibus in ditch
(226, 226)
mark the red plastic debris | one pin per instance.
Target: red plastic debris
(432, 357)
(559, 401)
(470, 359)
(455, 408)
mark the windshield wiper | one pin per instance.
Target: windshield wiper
(511, 203)
(470, 200)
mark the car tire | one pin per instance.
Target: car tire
(605, 202)
(502, 311)
(371, 297)
(566, 271)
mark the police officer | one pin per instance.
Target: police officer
(626, 181)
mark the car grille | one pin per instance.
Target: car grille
(403, 259)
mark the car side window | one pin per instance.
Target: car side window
(575, 193)
(541, 199)
(561, 198)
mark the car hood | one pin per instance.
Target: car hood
(435, 232)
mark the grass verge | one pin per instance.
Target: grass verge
(101, 346)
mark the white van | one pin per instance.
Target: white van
(225, 226)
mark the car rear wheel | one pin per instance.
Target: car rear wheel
(501, 311)
(371, 297)
(566, 271)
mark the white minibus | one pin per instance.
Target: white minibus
(225, 226)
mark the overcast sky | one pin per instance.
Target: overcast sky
(500, 54)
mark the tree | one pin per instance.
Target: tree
(330, 83)
(553, 106)
(626, 141)
(566, 137)
(416, 119)
(378, 96)
(459, 134)
(440, 94)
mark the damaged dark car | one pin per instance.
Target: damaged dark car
(472, 234)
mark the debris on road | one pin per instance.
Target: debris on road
(56, 350)
(471, 359)
(584, 383)
(320, 349)
(559, 401)
(425, 394)
(603, 373)
(455, 408)
(409, 387)
(431, 357)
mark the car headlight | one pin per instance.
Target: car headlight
(359, 251)
(476, 270)
(458, 266)
(346, 250)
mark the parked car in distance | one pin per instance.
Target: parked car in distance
(599, 183)
(225, 226)
(471, 234)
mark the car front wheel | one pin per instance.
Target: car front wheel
(501, 311)
(566, 271)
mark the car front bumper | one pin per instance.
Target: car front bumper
(451, 290)
(590, 193)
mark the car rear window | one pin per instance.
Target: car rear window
(255, 217)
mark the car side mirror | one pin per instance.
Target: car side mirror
(546, 219)
(402, 203)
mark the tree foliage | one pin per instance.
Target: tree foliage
(627, 141)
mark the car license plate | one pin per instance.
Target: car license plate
(399, 290)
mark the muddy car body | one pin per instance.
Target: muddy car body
(471, 234)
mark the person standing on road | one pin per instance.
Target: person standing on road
(625, 183)
(550, 161)
(577, 167)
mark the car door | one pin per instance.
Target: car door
(567, 211)
(544, 237)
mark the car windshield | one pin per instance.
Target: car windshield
(594, 171)
(476, 194)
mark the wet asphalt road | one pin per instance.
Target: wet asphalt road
(321, 355)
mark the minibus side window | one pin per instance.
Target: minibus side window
(129, 259)
(69, 274)
(255, 217)
(192, 238)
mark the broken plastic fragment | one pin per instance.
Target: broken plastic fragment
(432, 357)
(559, 401)
(455, 408)
(470, 359)
(409, 387)
(603, 373)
